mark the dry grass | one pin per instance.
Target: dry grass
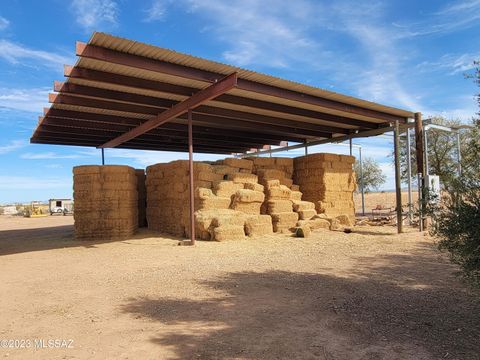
(386, 199)
(371, 294)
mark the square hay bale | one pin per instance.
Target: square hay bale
(252, 208)
(203, 193)
(295, 195)
(243, 178)
(302, 205)
(262, 161)
(347, 159)
(284, 221)
(283, 161)
(248, 196)
(306, 214)
(213, 202)
(225, 169)
(270, 173)
(268, 183)
(278, 206)
(239, 163)
(344, 220)
(279, 193)
(230, 232)
(287, 182)
(226, 188)
(256, 225)
(235, 218)
(254, 187)
(208, 176)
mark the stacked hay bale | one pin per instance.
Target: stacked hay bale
(278, 205)
(142, 197)
(226, 196)
(274, 168)
(328, 181)
(168, 194)
(106, 202)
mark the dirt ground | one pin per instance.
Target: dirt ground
(371, 294)
(386, 199)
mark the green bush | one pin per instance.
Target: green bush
(457, 225)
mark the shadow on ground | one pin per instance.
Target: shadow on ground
(391, 307)
(57, 237)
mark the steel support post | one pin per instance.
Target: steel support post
(361, 180)
(398, 185)
(103, 156)
(190, 178)
(351, 146)
(409, 177)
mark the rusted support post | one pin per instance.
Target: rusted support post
(419, 147)
(419, 142)
(398, 184)
(190, 176)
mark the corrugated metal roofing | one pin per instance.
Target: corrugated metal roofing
(263, 117)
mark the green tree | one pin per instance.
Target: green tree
(442, 151)
(373, 176)
(457, 219)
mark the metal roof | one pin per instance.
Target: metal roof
(118, 84)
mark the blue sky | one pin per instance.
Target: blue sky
(409, 54)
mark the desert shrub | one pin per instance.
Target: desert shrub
(457, 225)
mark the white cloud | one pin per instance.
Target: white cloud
(31, 100)
(12, 146)
(4, 23)
(157, 10)
(452, 63)
(271, 33)
(32, 182)
(49, 155)
(457, 15)
(18, 54)
(92, 14)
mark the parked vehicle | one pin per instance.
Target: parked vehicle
(60, 206)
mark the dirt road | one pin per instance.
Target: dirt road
(366, 295)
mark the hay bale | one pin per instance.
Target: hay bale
(299, 205)
(254, 187)
(302, 231)
(278, 206)
(279, 193)
(270, 173)
(344, 220)
(243, 178)
(208, 176)
(256, 225)
(295, 195)
(248, 196)
(226, 188)
(230, 232)
(269, 183)
(283, 222)
(306, 214)
(248, 208)
(225, 169)
(212, 203)
(239, 163)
